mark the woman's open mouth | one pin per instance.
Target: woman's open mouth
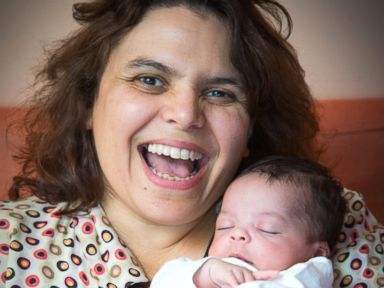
(172, 163)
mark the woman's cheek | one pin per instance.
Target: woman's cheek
(235, 126)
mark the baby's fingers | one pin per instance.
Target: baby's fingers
(243, 275)
(265, 275)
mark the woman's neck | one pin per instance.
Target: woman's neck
(155, 244)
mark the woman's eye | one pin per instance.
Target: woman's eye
(149, 84)
(218, 93)
(149, 80)
(220, 96)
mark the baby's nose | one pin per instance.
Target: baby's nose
(240, 234)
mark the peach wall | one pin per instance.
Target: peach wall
(340, 44)
(351, 129)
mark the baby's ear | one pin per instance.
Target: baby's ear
(322, 249)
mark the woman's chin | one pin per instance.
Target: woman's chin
(170, 214)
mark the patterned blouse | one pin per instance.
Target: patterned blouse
(39, 248)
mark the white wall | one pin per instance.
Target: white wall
(26, 26)
(340, 44)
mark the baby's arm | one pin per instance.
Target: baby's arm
(217, 273)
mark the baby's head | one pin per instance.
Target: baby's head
(279, 212)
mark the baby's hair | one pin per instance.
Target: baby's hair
(320, 205)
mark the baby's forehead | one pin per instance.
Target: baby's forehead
(287, 194)
(284, 187)
(290, 184)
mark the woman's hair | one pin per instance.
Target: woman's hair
(319, 204)
(59, 158)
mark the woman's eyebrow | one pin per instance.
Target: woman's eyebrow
(209, 81)
(149, 63)
(224, 81)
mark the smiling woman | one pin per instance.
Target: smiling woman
(170, 103)
(142, 119)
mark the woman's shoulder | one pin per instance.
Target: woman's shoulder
(81, 248)
(34, 217)
(359, 253)
(28, 211)
(26, 203)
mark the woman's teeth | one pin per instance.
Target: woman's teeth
(182, 165)
(170, 178)
(174, 152)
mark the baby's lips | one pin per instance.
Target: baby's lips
(238, 256)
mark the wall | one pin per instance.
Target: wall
(340, 44)
(26, 27)
(352, 132)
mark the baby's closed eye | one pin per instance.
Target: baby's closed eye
(224, 228)
(269, 231)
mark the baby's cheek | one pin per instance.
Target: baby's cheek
(216, 248)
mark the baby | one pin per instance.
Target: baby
(278, 223)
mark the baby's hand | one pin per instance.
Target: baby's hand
(265, 275)
(217, 273)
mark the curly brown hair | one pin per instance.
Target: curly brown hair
(59, 157)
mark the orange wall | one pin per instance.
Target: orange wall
(352, 131)
(8, 144)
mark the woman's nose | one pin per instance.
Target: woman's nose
(184, 110)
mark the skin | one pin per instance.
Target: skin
(263, 235)
(217, 273)
(168, 81)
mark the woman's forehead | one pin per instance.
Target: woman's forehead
(180, 39)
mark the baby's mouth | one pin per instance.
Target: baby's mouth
(172, 163)
(241, 258)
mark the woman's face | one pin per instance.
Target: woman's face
(170, 123)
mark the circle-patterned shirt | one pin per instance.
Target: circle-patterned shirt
(38, 248)
(358, 260)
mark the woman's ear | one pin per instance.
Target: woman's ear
(245, 152)
(89, 123)
(322, 249)
(250, 132)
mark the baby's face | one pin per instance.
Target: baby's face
(254, 225)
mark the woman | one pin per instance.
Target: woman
(143, 118)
